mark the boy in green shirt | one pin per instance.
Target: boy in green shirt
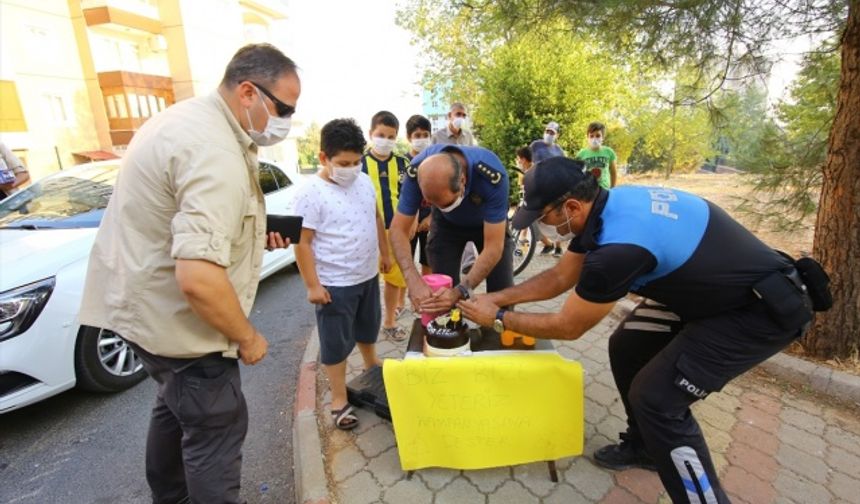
(600, 160)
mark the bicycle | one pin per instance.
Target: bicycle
(525, 240)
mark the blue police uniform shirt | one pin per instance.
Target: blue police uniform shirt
(673, 247)
(486, 196)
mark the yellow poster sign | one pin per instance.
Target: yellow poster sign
(485, 410)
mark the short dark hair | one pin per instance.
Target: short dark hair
(417, 122)
(260, 63)
(341, 135)
(585, 190)
(454, 181)
(385, 118)
(597, 126)
(525, 152)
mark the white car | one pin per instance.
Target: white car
(46, 233)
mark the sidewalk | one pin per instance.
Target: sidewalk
(771, 442)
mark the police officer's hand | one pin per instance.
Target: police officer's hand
(441, 300)
(253, 349)
(424, 225)
(479, 309)
(319, 295)
(276, 241)
(418, 291)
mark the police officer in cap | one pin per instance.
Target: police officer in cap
(468, 190)
(718, 302)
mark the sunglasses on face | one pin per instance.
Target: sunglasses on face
(281, 108)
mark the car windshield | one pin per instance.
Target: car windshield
(73, 199)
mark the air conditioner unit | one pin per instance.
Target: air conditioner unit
(157, 43)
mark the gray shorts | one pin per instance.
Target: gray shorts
(354, 315)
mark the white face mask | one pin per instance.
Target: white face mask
(383, 146)
(344, 176)
(453, 205)
(458, 122)
(549, 138)
(595, 142)
(552, 233)
(277, 128)
(419, 144)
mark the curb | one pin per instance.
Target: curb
(308, 471)
(836, 384)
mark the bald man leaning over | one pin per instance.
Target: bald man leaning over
(467, 188)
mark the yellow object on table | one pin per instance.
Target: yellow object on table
(485, 410)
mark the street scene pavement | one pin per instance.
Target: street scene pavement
(83, 448)
(771, 441)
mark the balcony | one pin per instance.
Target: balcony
(122, 16)
(132, 98)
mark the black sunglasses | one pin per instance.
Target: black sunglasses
(282, 109)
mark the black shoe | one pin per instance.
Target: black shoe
(546, 250)
(557, 252)
(624, 455)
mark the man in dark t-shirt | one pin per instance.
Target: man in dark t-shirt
(719, 301)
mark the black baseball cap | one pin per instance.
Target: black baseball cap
(545, 184)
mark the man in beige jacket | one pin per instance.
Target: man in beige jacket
(176, 264)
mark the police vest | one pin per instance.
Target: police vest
(668, 223)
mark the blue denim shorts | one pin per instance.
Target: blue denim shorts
(354, 315)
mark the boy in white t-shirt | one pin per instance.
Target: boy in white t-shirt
(343, 246)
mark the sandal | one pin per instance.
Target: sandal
(394, 333)
(400, 311)
(344, 419)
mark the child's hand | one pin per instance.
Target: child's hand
(385, 263)
(319, 295)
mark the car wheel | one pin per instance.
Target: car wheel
(104, 362)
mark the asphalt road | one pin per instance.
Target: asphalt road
(81, 447)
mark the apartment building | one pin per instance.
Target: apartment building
(79, 77)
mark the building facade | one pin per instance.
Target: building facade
(79, 77)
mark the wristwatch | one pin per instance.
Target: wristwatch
(499, 323)
(465, 292)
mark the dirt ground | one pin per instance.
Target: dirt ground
(727, 191)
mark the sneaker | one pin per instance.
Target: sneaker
(546, 250)
(557, 252)
(394, 333)
(467, 268)
(624, 455)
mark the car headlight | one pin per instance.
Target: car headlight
(20, 307)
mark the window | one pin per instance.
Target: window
(153, 105)
(267, 179)
(281, 177)
(133, 104)
(56, 107)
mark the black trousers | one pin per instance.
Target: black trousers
(445, 247)
(662, 364)
(196, 431)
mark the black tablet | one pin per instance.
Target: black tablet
(290, 226)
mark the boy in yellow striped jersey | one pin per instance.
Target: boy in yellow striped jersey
(386, 171)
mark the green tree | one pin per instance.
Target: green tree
(534, 80)
(723, 41)
(309, 146)
(791, 157)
